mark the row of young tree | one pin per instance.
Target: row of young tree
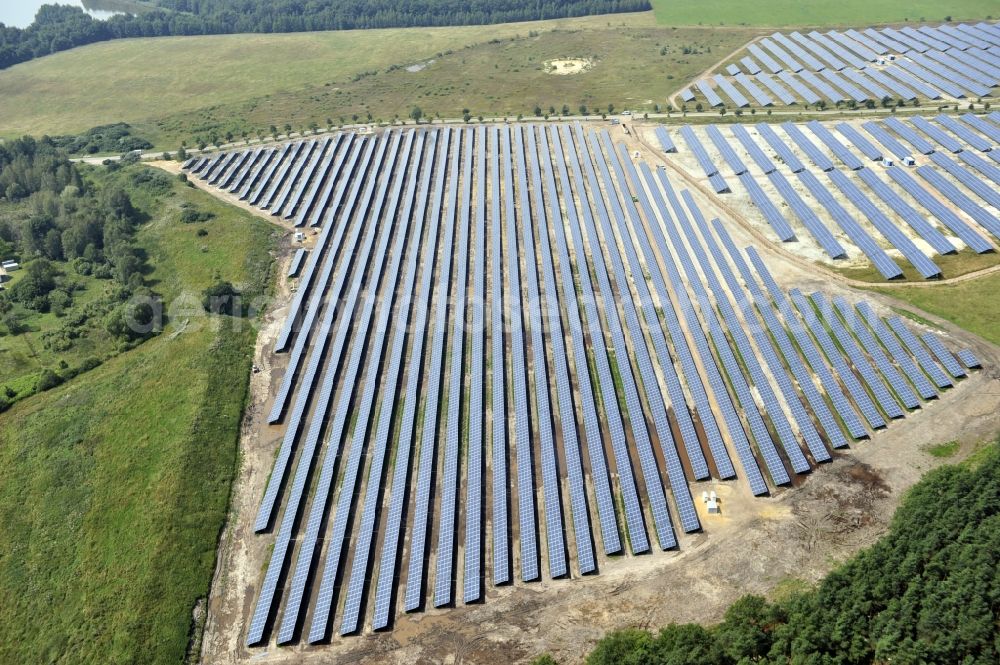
(59, 27)
(927, 592)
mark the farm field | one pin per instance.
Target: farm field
(114, 486)
(183, 88)
(784, 13)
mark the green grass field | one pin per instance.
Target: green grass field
(114, 486)
(167, 89)
(971, 305)
(816, 13)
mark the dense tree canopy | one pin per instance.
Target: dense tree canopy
(59, 27)
(928, 592)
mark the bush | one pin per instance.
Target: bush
(221, 298)
(47, 380)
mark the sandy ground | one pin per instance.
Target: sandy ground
(755, 544)
(565, 66)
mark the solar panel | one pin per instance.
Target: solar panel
(736, 378)
(751, 66)
(758, 95)
(564, 392)
(276, 565)
(968, 359)
(909, 135)
(380, 440)
(885, 226)
(709, 94)
(791, 357)
(768, 62)
(970, 181)
(809, 219)
(953, 194)
(844, 85)
(956, 74)
(976, 33)
(916, 376)
(858, 140)
(734, 94)
(434, 151)
(942, 139)
(933, 79)
(819, 49)
(850, 347)
(824, 88)
(293, 189)
(815, 154)
(783, 55)
(867, 41)
(883, 39)
(886, 139)
(924, 229)
(472, 576)
(296, 264)
(732, 69)
(853, 45)
(666, 142)
(360, 412)
(735, 427)
(785, 153)
(728, 154)
(676, 392)
(836, 48)
(812, 355)
(981, 165)
(943, 355)
(984, 61)
(858, 235)
(918, 351)
(501, 545)
(522, 427)
(647, 374)
(763, 340)
(758, 155)
(329, 199)
(896, 381)
(835, 357)
(605, 382)
(943, 213)
(448, 509)
(805, 93)
(866, 81)
(912, 81)
(836, 147)
(556, 545)
(983, 126)
(707, 165)
(869, 74)
(954, 37)
(654, 488)
(922, 35)
(778, 91)
(965, 133)
(909, 44)
(768, 209)
(687, 95)
(970, 74)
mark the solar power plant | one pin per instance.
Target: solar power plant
(514, 352)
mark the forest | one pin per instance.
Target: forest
(59, 27)
(927, 592)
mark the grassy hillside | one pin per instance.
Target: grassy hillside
(852, 13)
(113, 487)
(174, 89)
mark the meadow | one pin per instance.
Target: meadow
(114, 486)
(815, 13)
(182, 88)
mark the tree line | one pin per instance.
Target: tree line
(59, 27)
(927, 592)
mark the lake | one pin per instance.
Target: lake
(20, 13)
